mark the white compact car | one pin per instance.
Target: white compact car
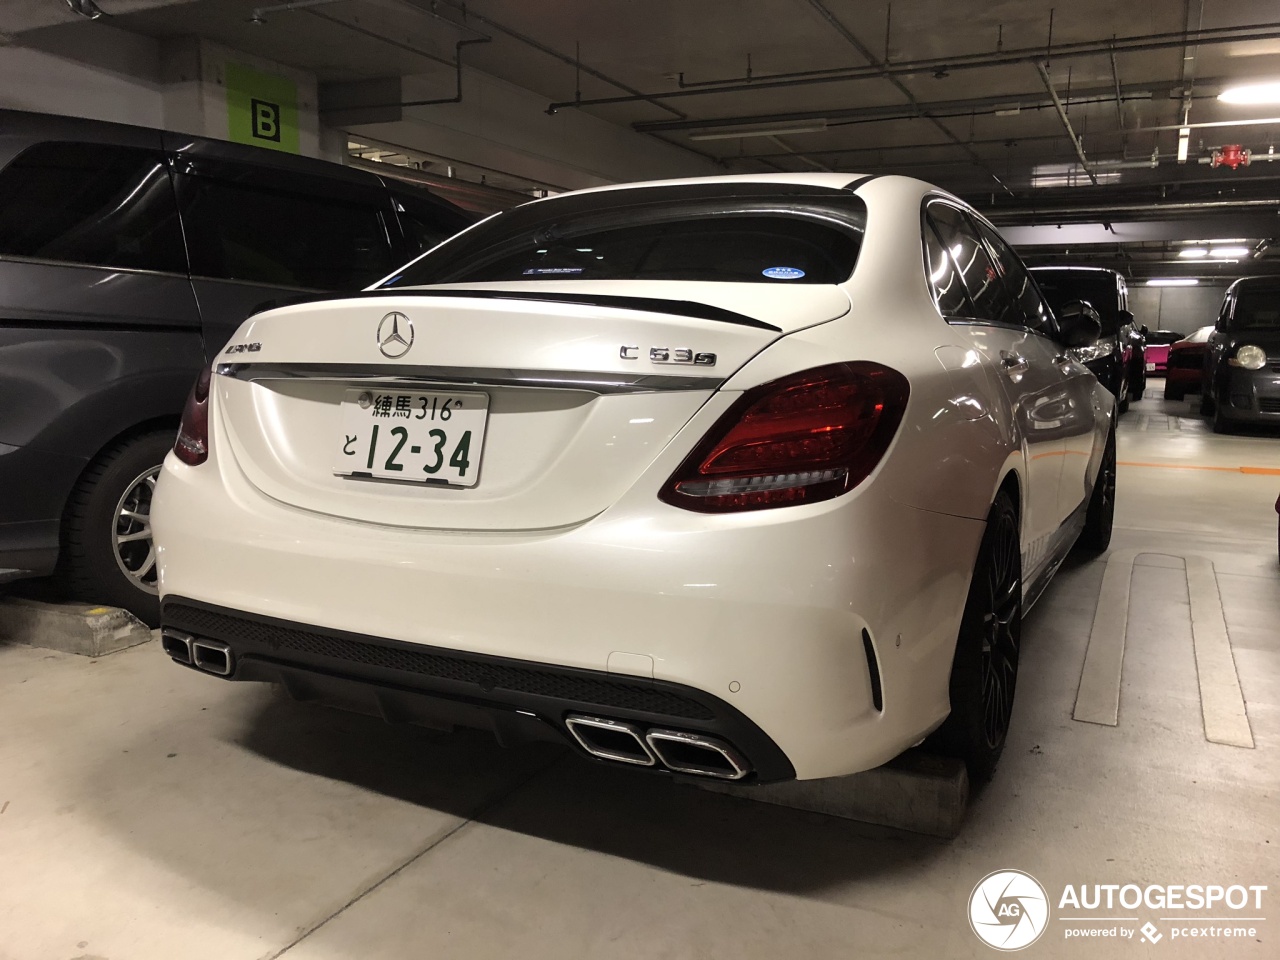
(747, 477)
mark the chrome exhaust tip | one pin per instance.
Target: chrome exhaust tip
(611, 740)
(697, 754)
(211, 656)
(177, 645)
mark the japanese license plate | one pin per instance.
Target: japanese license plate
(1151, 366)
(409, 435)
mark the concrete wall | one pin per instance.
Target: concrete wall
(1176, 308)
(504, 127)
(98, 70)
(106, 73)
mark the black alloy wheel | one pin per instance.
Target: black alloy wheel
(984, 673)
(1098, 522)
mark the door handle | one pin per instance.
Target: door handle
(1013, 365)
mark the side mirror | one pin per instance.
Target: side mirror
(1079, 324)
(1144, 329)
(1126, 316)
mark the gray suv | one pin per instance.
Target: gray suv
(128, 257)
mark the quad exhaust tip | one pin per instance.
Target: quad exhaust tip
(691, 753)
(697, 754)
(611, 740)
(211, 656)
(177, 645)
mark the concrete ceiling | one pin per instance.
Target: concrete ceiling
(958, 92)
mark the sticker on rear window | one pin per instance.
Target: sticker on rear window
(783, 273)
(542, 271)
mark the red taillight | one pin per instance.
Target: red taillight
(804, 438)
(192, 445)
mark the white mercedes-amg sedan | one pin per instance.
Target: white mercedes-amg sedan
(749, 478)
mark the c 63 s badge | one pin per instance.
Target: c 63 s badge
(670, 355)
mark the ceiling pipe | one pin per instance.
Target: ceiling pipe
(456, 98)
(1009, 215)
(1066, 122)
(259, 14)
(871, 59)
(878, 70)
(936, 108)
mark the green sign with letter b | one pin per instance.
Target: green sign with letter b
(262, 108)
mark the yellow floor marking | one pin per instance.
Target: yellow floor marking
(1257, 471)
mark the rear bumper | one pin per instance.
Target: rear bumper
(764, 613)
(410, 683)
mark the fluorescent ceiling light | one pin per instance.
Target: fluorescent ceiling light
(1173, 282)
(1252, 93)
(1231, 253)
(1193, 253)
(761, 130)
(1184, 144)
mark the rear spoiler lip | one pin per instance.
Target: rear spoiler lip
(679, 308)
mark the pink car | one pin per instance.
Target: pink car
(1157, 352)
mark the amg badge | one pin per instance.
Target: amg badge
(243, 348)
(670, 355)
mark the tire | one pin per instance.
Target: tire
(1138, 386)
(1220, 423)
(1207, 406)
(1120, 390)
(113, 498)
(1101, 512)
(984, 671)
(1171, 394)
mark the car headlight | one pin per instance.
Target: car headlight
(1104, 348)
(1250, 357)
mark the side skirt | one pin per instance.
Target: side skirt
(1063, 540)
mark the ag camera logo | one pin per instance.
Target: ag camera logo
(1008, 910)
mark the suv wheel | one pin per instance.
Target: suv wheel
(107, 554)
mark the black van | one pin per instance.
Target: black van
(128, 257)
(1117, 359)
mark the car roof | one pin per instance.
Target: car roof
(24, 125)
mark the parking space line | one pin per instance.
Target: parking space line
(1098, 697)
(1221, 700)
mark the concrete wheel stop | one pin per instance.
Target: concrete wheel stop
(82, 628)
(917, 791)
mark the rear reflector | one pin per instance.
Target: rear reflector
(807, 437)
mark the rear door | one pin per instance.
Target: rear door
(261, 236)
(1070, 384)
(1024, 368)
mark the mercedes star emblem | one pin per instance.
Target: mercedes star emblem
(395, 335)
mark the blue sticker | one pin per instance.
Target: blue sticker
(542, 271)
(394, 280)
(783, 273)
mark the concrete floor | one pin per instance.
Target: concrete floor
(149, 812)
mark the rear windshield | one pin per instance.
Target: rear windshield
(1256, 308)
(1096, 289)
(666, 233)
